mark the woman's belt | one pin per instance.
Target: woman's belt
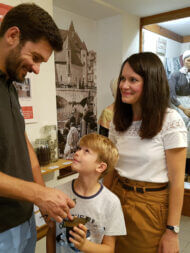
(141, 189)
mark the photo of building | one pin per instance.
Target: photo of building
(75, 71)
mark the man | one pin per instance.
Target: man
(28, 36)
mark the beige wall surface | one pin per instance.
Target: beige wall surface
(43, 85)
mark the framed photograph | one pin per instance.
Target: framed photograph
(161, 46)
(24, 91)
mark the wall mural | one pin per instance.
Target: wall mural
(76, 89)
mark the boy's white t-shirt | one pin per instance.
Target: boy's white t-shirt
(103, 210)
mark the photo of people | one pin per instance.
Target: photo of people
(75, 69)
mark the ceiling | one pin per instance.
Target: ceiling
(99, 9)
(179, 26)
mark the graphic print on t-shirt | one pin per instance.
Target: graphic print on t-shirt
(93, 232)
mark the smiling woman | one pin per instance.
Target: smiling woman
(151, 139)
(131, 87)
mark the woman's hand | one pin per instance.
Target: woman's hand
(79, 236)
(169, 243)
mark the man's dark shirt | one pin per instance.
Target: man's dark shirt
(14, 157)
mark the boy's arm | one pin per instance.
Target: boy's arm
(107, 246)
(80, 242)
(51, 240)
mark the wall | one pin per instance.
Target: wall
(130, 35)
(118, 37)
(185, 46)
(43, 85)
(113, 39)
(109, 58)
(173, 48)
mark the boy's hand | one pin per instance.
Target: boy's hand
(79, 236)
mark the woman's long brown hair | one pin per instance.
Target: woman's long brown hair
(155, 95)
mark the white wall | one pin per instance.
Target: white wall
(117, 39)
(109, 58)
(130, 33)
(173, 48)
(44, 96)
(184, 47)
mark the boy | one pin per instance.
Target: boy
(95, 205)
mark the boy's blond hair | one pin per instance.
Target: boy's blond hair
(104, 147)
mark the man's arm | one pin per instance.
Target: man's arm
(36, 171)
(50, 201)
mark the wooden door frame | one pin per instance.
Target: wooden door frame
(162, 17)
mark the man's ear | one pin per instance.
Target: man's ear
(12, 36)
(101, 167)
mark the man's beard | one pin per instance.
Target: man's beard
(13, 63)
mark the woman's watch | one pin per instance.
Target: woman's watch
(175, 229)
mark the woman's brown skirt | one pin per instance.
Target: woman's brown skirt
(145, 216)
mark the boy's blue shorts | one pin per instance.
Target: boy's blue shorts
(20, 239)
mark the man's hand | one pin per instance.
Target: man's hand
(79, 236)
(169, 243)
(47, 220)
(54, 203)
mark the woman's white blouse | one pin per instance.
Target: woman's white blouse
(144, 159)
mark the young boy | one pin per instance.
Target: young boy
(95, 205)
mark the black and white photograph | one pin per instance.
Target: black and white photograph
(24, 89)
(76, 88)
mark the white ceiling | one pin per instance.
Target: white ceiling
(99, 9)
(179, 26)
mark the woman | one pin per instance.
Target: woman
(151, 139)
(107, 114)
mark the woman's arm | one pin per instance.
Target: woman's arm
(175, 159)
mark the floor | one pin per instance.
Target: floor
(184, 235)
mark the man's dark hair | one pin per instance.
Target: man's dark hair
(155, 95)
(34, 24)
